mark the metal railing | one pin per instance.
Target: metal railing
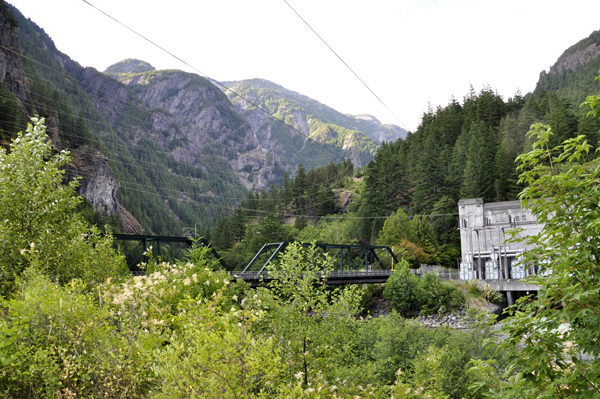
(442, 272)
(336, 274)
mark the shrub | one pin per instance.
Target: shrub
(57, 343)
(370, 295)
(38, 222)
(433, 294)
(151, 301)
(401, 290)
(214, 355)
(491, 295)
(473, 288)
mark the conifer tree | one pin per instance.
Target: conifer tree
(430, 177)
(478, 179)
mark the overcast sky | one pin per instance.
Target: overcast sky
(410, 52)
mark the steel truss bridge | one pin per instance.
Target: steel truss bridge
(355, 264)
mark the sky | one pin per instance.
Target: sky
(411, 53)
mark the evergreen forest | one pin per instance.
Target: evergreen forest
(466, 149)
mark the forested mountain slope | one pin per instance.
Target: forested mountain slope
(355, 137)
(159, 182)
(408, 198)
(572, 76)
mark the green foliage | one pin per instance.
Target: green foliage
(401, 290)
(104, 223)
(213, 354)
(58, 343)
(491, 295)
(12, 22)
(151, 301)
(370, 295)
(393, 350)
(312, 324)
(396, 228)
(331, 230)
(433, 295)
(12, 118)
(130, 65)
(473, 288)
(338, 132)
(577, 83)
(38, 226)
(151, 180)
(413, 240)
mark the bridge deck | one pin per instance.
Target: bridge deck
(336, 277)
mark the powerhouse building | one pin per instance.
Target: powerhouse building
(485, 252)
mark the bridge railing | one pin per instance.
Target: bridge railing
(176, 247)
(336, 274)
(442, 272)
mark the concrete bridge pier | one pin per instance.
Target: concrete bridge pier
(513, 289)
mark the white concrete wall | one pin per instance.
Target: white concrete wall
(484, 230)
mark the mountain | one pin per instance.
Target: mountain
(356, 137)
(572, 76)
(167, 174)
(167, 150)
(128, 66)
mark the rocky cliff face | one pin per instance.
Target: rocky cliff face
(350, 136)
(581, 53)
(180, 151)
(192, 117)
(99, 186)
(98, 183)
(11, 66)
(582, 56)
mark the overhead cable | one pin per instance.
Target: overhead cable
(345, 63)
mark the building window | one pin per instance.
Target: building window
(524, 216)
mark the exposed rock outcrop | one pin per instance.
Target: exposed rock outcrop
(11, 66)
(99, 186)
(580, 57)
(97, 180)
(129, 223)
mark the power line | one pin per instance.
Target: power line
(142, 109)
(192, 179)
(213, 80)
(245, 99)
(257, 211)
(344, 62)
(242, 97)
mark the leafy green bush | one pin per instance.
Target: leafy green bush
(388, 349)
(151, 301)
(491, 295)
(433, 294)
(401, 290)
(370, 295)
(214, 355)
(56, 342)
(312, 323)
(38, 223)
(473, 288)
(554, 337)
